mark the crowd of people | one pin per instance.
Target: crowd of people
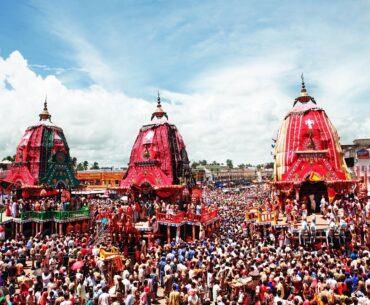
(14, 208)
(240, 263)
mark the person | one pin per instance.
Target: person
(168, 281)
(66, 300)
(2, 233)
(174, 298)
(216, 290)
(104, 298)
(313, 231)
(342, 231)
(330, 233)
(323, 205)
(14, 209)
(30, 298)
(130, 299)
(143, 298)
(303, 231)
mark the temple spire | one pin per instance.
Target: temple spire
(303, 89)
(45, 115)
(304, 97)
(159, 112)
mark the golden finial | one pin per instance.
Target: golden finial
(159, 112)
(303, 89)
(45, 115)
(304, 97)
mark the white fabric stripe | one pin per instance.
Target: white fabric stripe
(286, 159)
(280, 149)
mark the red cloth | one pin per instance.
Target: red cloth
(153, 160)
(308, 144)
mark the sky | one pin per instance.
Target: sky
(227, 71)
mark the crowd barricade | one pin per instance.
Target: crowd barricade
(61, 215)
(55, 215)
(43, 215)
(26, 215)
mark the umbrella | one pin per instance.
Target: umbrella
(77, 265)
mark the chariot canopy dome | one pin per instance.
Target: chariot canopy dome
(158, 157)
(308, 147)
(42, 157)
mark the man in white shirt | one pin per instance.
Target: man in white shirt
(216, 290)
(104, 298)
(302, 232)
(130, 299)
(210, 280)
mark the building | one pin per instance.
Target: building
(226, 174)
(357, 156)
(101, 179)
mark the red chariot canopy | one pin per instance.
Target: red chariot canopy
(307, 146)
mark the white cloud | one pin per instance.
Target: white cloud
(229, 112)
(99, 125)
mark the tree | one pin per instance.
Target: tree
(9, 158)
(241, 166)
(269, 165)
(194, 165)
(86, 165)
(80, 167)
(95, 165)
(203, 162)
(229, 163)
(215, 163)
(74, 162)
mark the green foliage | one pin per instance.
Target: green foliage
(9, 158)
(269, 165)
(229, 163)
(95, 165)
(86, 165)
(266, 165)
(80, 167)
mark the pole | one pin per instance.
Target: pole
(168, 234)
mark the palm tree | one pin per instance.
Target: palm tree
(86, 165)
(95, 165)
(80, 167)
